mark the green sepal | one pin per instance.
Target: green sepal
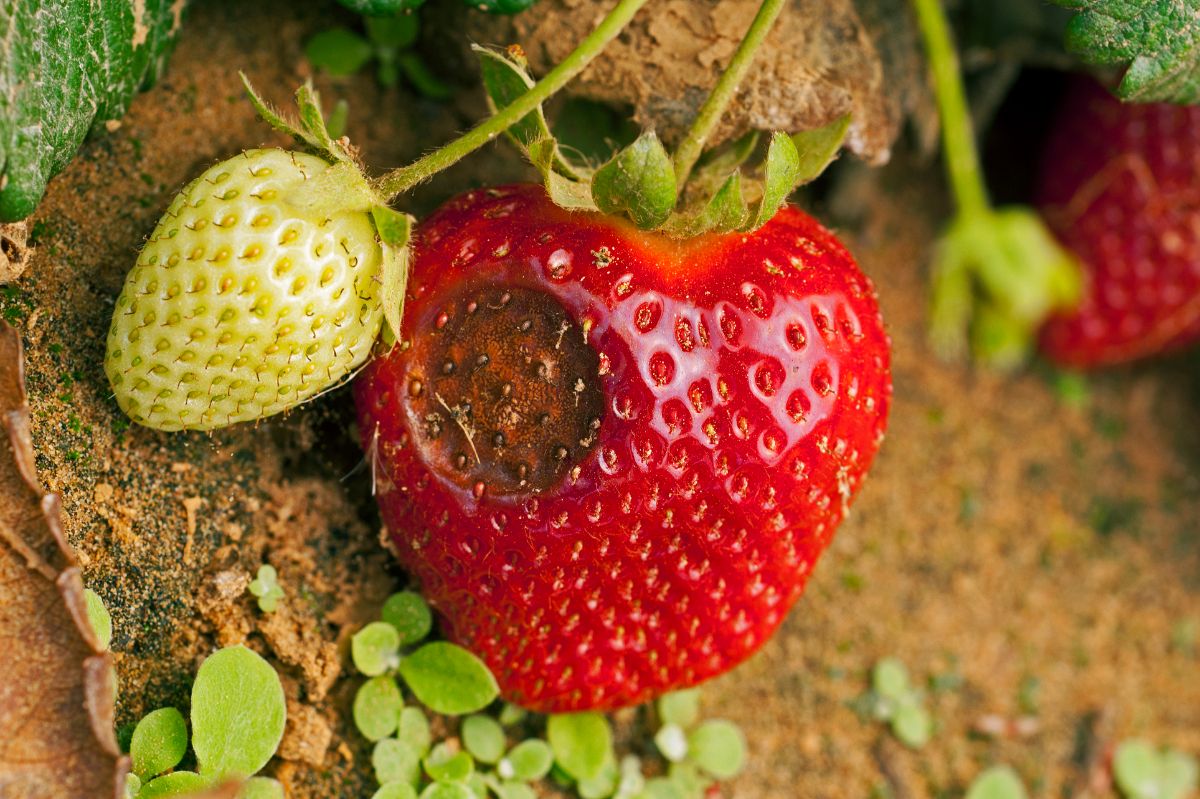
(818, 147)
(638, 181)
(997, 275)
(310, 131)
(715, 166)
(566, 192)
(780, 174)
(394, 229)
(504, 80)
(726, 210)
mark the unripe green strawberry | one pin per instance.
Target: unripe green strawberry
(245, 303)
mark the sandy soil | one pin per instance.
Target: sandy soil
(1009, 537)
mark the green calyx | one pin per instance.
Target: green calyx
(343, 187)
(998, 273)
(639, 181)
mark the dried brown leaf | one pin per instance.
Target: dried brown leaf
(57, 688)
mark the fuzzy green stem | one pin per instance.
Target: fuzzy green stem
(727, 85)
(404, 178)
(958, 135)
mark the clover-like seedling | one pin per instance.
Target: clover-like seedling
(388, 42)
(266, 587)
(893, 699)
(1143, 771)
(998, 782)
(238, 714)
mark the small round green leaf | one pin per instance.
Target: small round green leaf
(338, 51)
(662, 788)
(177, 783)
(639, 181)
(672, 742)
(444, 764)
(375, 648)
(159, 742)
(603, 785)
(448, 679)
(912, 724)
(718, 747)
(512, 714)
(98, 617)
(414, 730)
(998, 782)
(395, 761)
(483, 737)
(581, 742)
(377, 707)
(261, 788)
(409, 614)
(680, 707)
(395, 790)
(890, 678)
(447, 790)
(529, 760)
(516, 790)
(238, 713)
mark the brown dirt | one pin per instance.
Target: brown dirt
(1006, 535)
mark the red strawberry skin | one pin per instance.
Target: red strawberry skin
(1120, 186)
(727, 395)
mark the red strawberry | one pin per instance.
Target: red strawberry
(611, 458)
(1120, 185)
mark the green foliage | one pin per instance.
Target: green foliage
(382, 8)
(159, 743)
(500, 6)
(449, 679)
(446, 763)
(998, 782)
(639, 181)
(388, 41)
(718, 748)
(894, 700)
(375, 648)
(377, 707)
(395, 761)
(409, 614)
(238, 714)
(581, 742)
(66, 68)
(1158, 41)
(266, 587)
(1144, 772)
(98, 617)
(483, 737)
(680, 707)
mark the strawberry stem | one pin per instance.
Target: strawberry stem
(958, 135)
(714, 107)
(404, 178)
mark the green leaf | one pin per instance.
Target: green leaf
(1159, 40)
(261, 788)
(396, 32)
(781, 174)
(98, 617)
(890, 678)
(718, 747)
(662, 788)
(1145, 772)
(338, 51)
(238, 713)
(177, 783)
(395, 790)
(689, 778)
(601, 786)
(484, 738)
(529, 760)
(672, 742)
(394, 229)
(66, 67)
(817, 148)
(638, 181)
(912, 724)
(447, 764)
(512, 714)
(504, 80)
(265, 586)
(447, 790)
(998, 782)
(395, 761)
(381, 8)
(375, 648)
(581, 742)
(414, 730)
(377, 707)
(159, 742)
(407, 611)
(516, 790)
(680, 707)
(448, 679)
